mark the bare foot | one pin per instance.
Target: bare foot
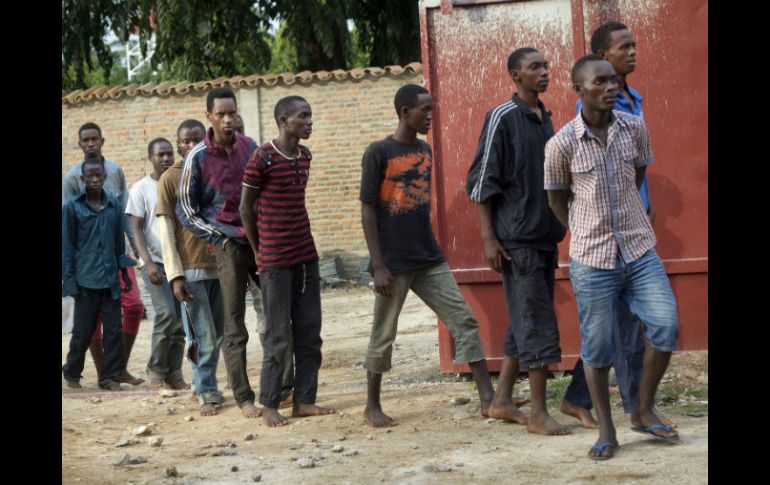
(209, 409)
(507, 411)
(249, 410)
(310, 410)
(273, 418)
(286, 398)
(517, 401)
(375, 418)
(583, 414)
(543, 423)
(129, 379)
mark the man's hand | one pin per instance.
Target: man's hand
(495, 254)
(154, 273)
(127, 286)
(180, 290)
(383, 282)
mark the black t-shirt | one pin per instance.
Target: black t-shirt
(396, 175)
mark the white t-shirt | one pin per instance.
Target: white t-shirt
(142, 200)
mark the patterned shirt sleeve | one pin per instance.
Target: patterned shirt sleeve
(642, 139)
(485, 174)
(252, 176)
(557, 173)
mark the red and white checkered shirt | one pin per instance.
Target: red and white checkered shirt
(606, 214)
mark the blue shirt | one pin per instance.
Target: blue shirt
(93, 246)
(623, 104)
(115, 185)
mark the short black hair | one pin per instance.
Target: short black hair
(154, 142)
(217, 93)
(283, 108)
(514, 60)
(407, 96)
(91, 161)
(190, 124)
(600, 39)
(579, 66)
(89, 126)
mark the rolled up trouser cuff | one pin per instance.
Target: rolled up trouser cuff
(210, 397)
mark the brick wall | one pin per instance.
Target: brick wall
(348, 114)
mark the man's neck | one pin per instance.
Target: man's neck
(155, 176)
(530, 98)
(94, 197)
(405, 134)
(596, 119)
(288, 144)
(221, 140)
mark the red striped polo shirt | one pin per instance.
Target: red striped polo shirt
(282, 221)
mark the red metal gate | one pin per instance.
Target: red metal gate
(465, 45)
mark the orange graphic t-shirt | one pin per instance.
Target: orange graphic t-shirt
(396, 176)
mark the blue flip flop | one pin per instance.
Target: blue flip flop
(649, 430)
(600, 449)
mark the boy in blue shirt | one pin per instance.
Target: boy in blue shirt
(93, 248)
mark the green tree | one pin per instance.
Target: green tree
(389, 30)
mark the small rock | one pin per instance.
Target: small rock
(167, 393)
(459, 464)
(138, 460)
(388, 431)
(459, 401)
(142, 431)
(189, 418)
(306, 463)
(224, 453)
(414, 447)
(171, 472)
(256, 476)
(342, 414)
(490, 420)
(248, 437)
(125, 442)
(124, 460)
(370, 437)
(233, 468)
(156, 441)
(95, 400)
(170, 410)
(231, 445)
(342, 438)
(207, 445)
(350, 453)
(338, 449)
(444, 468)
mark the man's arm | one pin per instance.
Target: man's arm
(188, 211)
(69, 187)
(493, 250)
(120, 251)
(557, 200)
(123, 201)
(383, 280)
(171, 259)
(153, 272)
(68, 249)
(248, 217)
(640, 176)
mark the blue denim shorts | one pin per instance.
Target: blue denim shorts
(644, 287)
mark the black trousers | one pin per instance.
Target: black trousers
(88, 304)
(292, 300)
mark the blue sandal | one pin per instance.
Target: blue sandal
(600, 449)
(649, 430)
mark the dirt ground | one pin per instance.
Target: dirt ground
(436, 441)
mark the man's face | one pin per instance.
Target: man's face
(420, 115)
(622, 52)
(188, 138)
(93, 177)
(222, 117)
(239, 124)
(532, 74)
(299, 123)
(598, 88)
(91, 142)
(162, 156)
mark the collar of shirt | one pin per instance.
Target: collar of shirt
(106, 199)
(583, 130)
(622, 104)
(217, 148)
(524, 107)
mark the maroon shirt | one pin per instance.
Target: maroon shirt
(282, 221)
